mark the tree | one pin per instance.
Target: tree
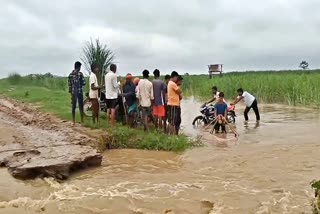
(99, 54)
(304, 65)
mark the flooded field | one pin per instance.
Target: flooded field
(267, 170)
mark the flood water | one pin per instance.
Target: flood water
(267, 170)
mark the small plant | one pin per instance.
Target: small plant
(316, 203)
(99, 54)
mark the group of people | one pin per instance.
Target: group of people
(157, 100)
(221, 107)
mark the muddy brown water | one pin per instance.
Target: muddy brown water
(267, 170)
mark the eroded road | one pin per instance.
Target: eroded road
(35, 144)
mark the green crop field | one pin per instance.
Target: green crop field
(285, 87)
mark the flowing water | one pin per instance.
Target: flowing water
(267, 170)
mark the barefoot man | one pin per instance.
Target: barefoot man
(250, 101)
(174, 93)
(112, 88)
(76, 82)
(159, 100)
(145, 96)
(94, 93)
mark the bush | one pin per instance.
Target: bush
(316, 203)
(127, 138)
(14, 78)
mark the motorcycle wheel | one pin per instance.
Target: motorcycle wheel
(199, 121)
(231, 119)
(87, 108)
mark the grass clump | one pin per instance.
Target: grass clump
(124, 137)
(316, 203)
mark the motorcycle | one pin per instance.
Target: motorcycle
(207, 115)
(87, 105)
(231, 114)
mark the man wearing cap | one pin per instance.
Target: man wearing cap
(145, 95)
(129, 92)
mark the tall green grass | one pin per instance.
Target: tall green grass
(40, 80)
(285, 87)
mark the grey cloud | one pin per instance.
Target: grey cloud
(47, 36)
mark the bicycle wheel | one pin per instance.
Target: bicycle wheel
(87, 108)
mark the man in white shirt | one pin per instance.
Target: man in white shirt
(112, 88)
(250, 101)
(145, 96)
(94, 93)
(215, 93)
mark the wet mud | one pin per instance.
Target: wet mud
(34, 144)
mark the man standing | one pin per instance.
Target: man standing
(94, 93)
(174, 94)
(215, 93)
(76, 82)
(129, 92)
(112, 88)
(145, 95)
(178, 122)
(159, 96)
(250, 102)
(166, 79)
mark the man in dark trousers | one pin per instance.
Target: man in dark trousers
(76, 82)
(250, 101)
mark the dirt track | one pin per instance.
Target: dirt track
(35, 144)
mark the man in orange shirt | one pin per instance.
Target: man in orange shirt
(173, 108)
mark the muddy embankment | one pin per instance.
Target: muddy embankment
(35, 144)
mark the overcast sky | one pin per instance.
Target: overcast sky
(38, 36)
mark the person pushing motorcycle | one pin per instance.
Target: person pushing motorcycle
(215, 94)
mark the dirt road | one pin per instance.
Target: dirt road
(35, 144)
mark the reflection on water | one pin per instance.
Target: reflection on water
(266, 170)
